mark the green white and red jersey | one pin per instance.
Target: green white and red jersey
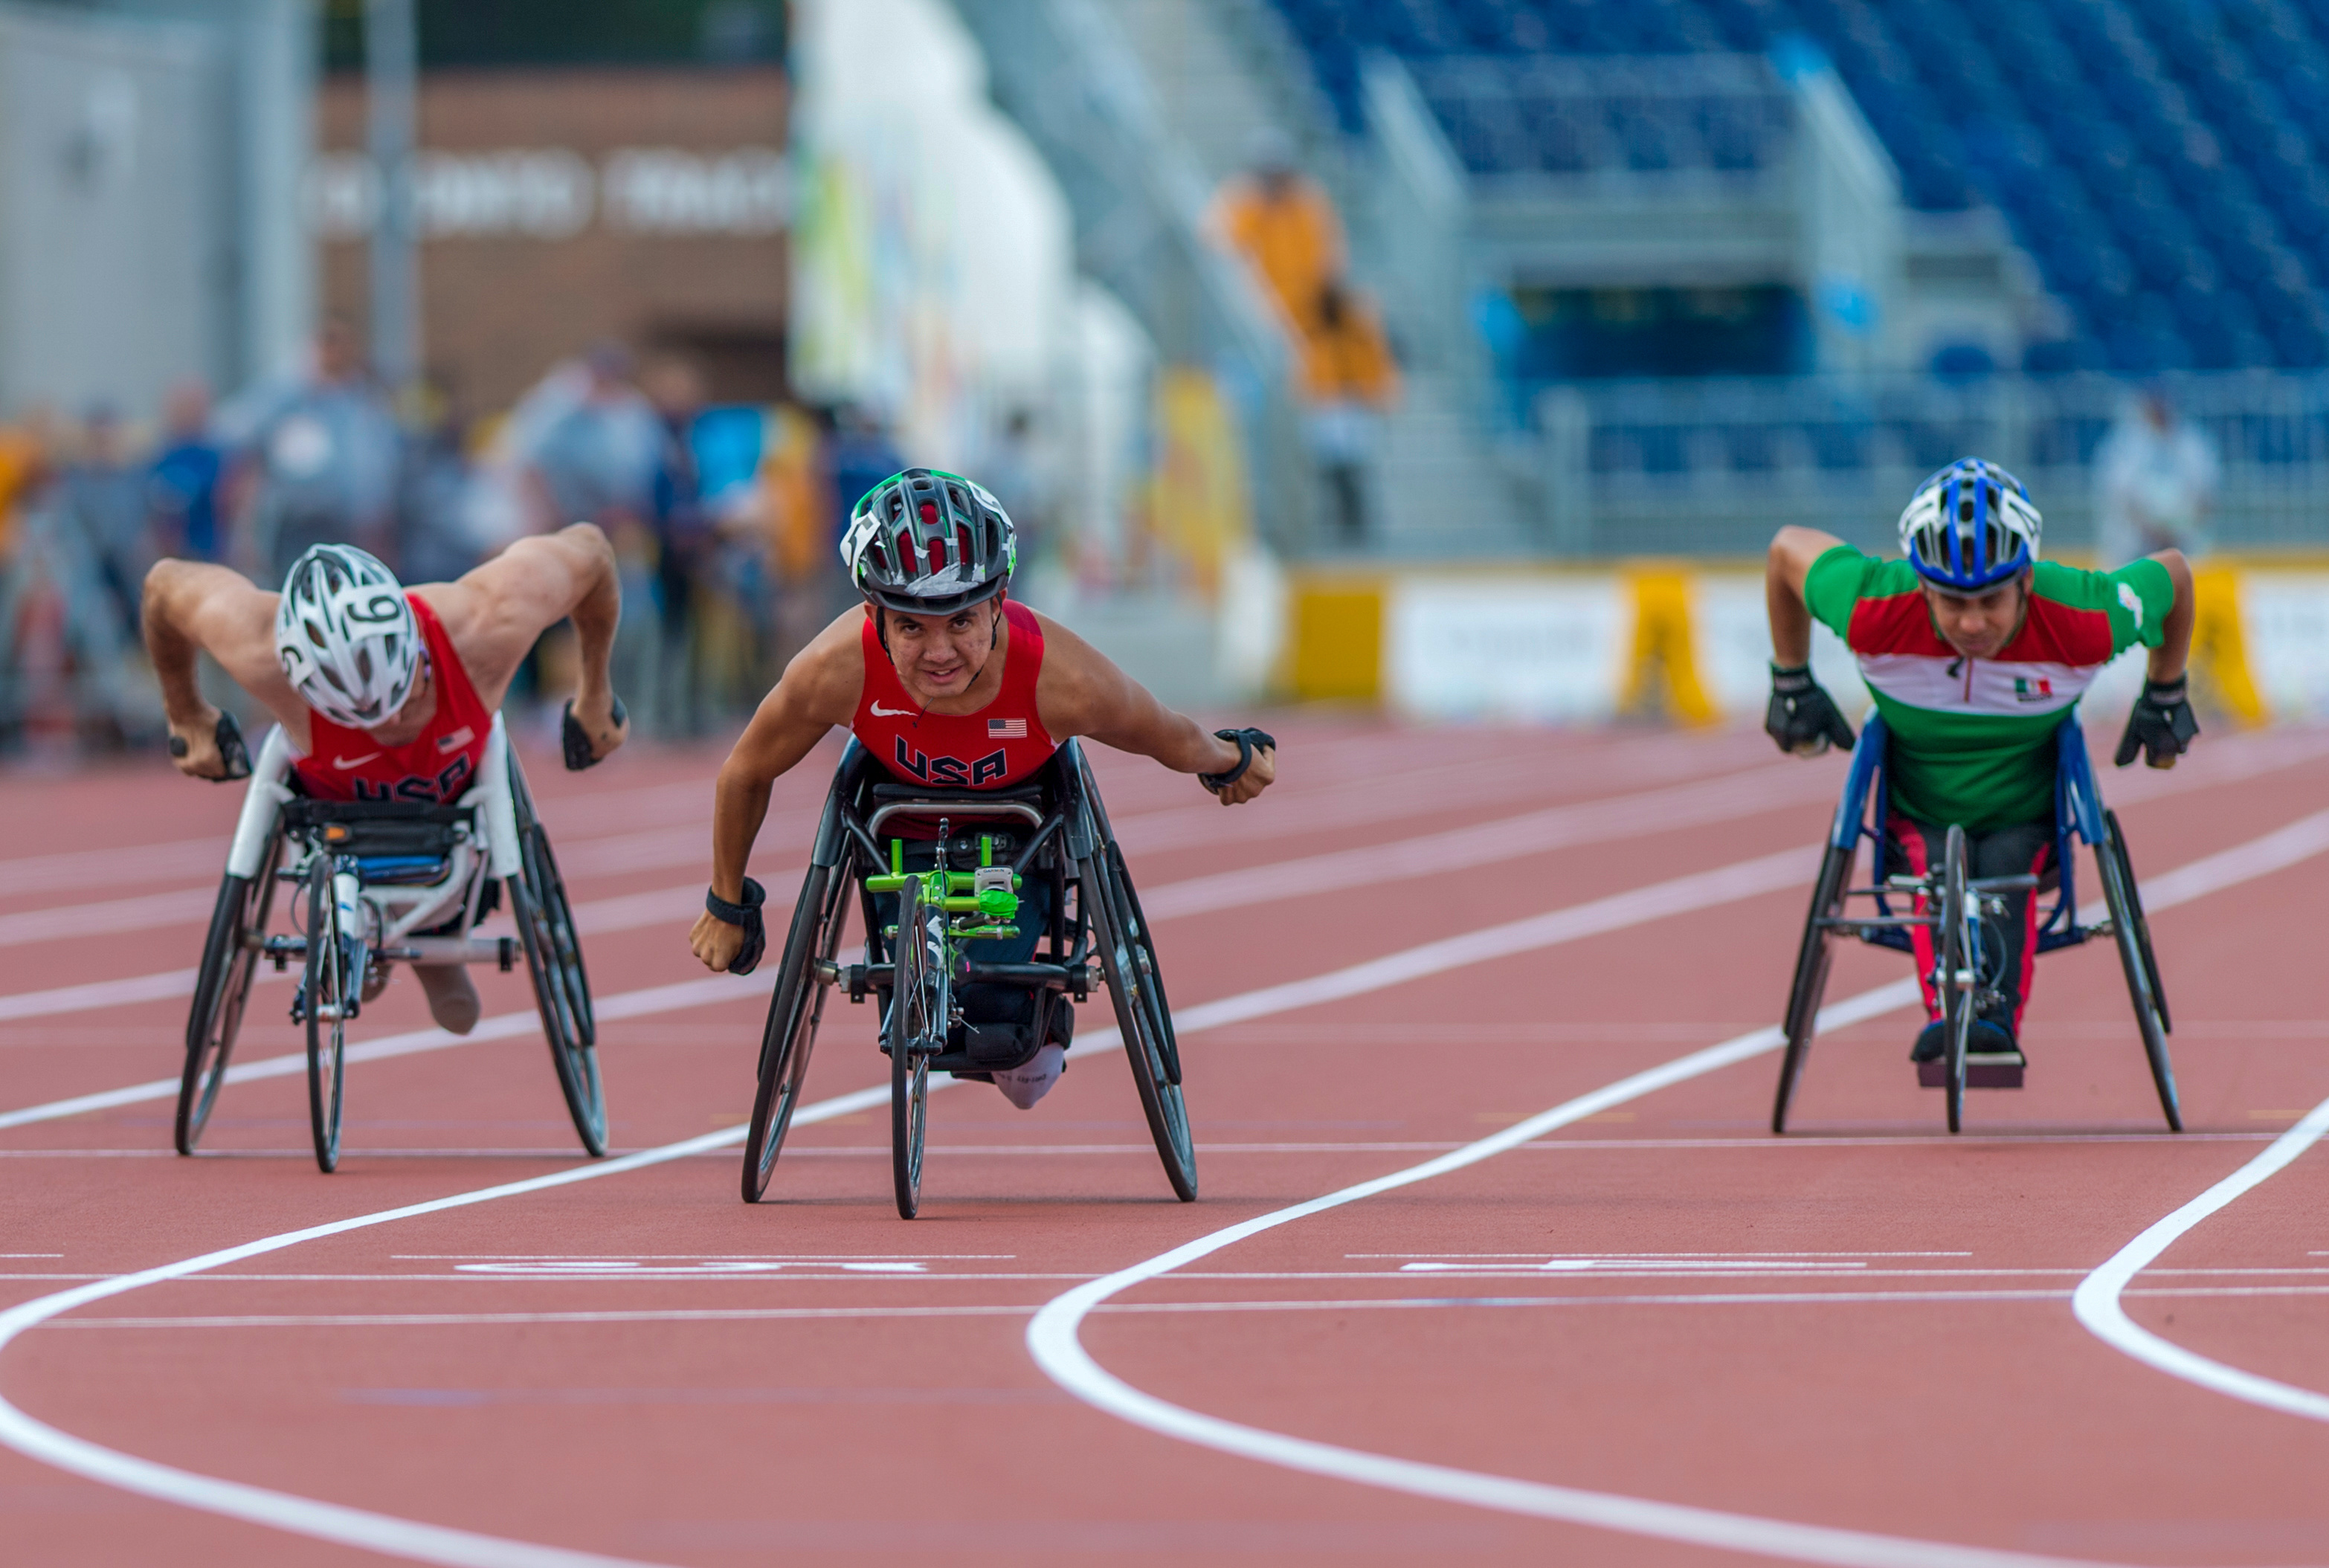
(1972, 739)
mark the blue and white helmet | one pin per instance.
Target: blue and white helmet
(348, 641)
(1970, 527)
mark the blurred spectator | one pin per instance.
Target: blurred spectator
(101, 495)
(2155, 475)
(435, 540)
(1012, 472)
(1349, 380)
(1284, 224)
(182, 485)
(684, 546)
(595, 460)
(317, 459)
(863, 456)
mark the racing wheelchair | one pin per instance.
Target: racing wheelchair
(958, 863)
(384, 880)
(1953, 904)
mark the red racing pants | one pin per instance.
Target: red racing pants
(2009, 941)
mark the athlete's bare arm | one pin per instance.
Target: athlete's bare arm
(191, 608)
(2166, 660)
(818, 692)
(496, 613)
(1793, 551)
(1082, 692)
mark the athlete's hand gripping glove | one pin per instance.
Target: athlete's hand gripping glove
(748, 916)
(234, 756)
(2159, 724)
(1802, 718)
(1248, 741)
(576, 740)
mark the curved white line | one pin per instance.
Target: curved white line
(2097, 1299)
(1053, 1339)
(1053, 1335)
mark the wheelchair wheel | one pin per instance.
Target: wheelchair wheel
(2132, 934)
(1953, 975)
(1135, 988)
(795, 1011)
(920, 1006)
(553, 958)
(231, 955)
(1814, 956)
(326, 988)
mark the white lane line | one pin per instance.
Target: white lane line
(433, 1544)
(708, 992)
(1054, 1341)
(2097, 1299)
(1679, 896)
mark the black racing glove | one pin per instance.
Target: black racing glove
(2159, 724)
(1247, 742)
(576, 740)
(1802, 718)
(234, 756)
(748, 916)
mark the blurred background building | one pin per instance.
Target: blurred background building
(1456, 354)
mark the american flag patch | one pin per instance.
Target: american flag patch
(1006, 730)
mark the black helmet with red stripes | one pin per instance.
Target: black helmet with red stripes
(927, 542)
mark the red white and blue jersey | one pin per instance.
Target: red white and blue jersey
(440, 763)
(1002, 744)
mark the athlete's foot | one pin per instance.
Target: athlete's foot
(452, 996)
(1932, 1043)
(1991, 1038)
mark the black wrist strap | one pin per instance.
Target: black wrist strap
(2168, 691)
(742, 914)
(1791, 679)
(1247, 741)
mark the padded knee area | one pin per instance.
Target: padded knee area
(452, 996)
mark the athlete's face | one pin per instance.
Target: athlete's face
(1978, 625)
(938, 656)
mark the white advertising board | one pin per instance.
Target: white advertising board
(1731, 632)
(2285, 616)
(1550, 649)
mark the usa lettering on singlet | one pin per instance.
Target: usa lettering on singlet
(436, 766)
(1000, 745)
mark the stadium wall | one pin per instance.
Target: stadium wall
(1688, 641)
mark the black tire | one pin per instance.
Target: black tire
(231, 957)
(795, 1010)
(1814, 957)
(914, 1031)
(553, 959)
(1136, 989)
(1952, 948)
(2132, 934)
(327, 985)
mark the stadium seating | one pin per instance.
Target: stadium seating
(2166, 162)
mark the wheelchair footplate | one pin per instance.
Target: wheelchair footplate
(1994, 1072)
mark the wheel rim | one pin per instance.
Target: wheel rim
(327, 980)
(1957, 1001)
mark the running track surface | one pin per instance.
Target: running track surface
(1864, 1327)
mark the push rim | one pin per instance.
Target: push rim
(796, 1011)
(1814, 958)
(1955, 957)
(222, 990)
(328, 985)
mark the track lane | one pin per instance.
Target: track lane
(1230, 1093)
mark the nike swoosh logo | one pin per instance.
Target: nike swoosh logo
(345, 763)
(882, 712)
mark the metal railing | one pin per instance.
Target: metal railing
(1714, 466)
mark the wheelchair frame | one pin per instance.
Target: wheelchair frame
(1957, 901)
(378, 881)
(1059, 829)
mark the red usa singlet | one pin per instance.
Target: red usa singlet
(1001, 744)
(437, 765)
